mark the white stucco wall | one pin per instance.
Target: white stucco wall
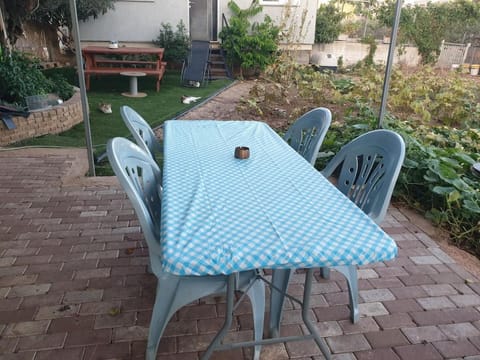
(137, 21)
(134, 21)
(354, 51)
(303, 12)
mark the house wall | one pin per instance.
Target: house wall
(134, 21)
(299, 18)
(137, 21)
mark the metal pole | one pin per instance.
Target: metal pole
(388, 68)
(83, 91)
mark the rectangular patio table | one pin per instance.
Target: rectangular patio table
(223, 215)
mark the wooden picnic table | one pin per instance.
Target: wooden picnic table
(102, 60)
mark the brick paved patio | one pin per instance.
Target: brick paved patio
(73, 283)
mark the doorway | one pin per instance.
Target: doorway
(203, 19)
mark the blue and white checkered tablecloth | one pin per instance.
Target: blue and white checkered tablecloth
(274, 210)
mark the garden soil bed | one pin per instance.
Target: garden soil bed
(225, 106)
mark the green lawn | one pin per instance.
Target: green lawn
(155, 108)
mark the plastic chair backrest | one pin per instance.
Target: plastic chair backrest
(141, 130)
(307, 133)
(368, 168)
(140, 177)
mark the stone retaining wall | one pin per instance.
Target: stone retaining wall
(50, 121)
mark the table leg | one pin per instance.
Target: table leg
(133, 86)
(306, 306)
(280, 279)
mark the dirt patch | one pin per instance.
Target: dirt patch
(225, 106)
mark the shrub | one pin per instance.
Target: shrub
(175, 43)
(328, 24)
(21, 76)
(252, 46)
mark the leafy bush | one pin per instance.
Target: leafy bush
(252, 46)
(21, 76)
(328, 23)
(176, 43)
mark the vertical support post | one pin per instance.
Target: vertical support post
(388, 68)
(83, 92)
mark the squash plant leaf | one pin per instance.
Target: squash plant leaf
(471, 206)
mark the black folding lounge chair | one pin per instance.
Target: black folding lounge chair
(195, 70)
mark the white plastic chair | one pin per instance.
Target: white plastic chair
(141, 131)
(366, 171)
(140, 176)
(306, 134)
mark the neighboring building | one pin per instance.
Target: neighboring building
(138, 21)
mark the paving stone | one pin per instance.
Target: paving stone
(418, 352)
(465, 300)
(458, 331)
(123, 319)
(86, 296)
(367, 274)
(376, 295)
(386, 338)
(384, 283)
(402, 306)
(93, 273)
(363, 325)
(459, 348)
(419, 279)
(424, 334)
(63, 354)
(409, 292)
(433, 303)
(71, 324)
(329, 328)
(439, 289)
(13, 280)
(41, 342)
(130, 333)
(377, 354)
(55, 312)
(372, 309)
(26, 328)
(332, 313)
(431, 317)
(28, 290)
(394, 321)
(348, 343)
(91, 337)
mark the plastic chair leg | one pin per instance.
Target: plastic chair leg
(350, 273)
(280, 279)
(257, 297)
(162, 312)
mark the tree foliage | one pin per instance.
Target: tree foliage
(328, 23)
(57, 12)
(251, 45)
(426, 26)
(14, 13)
(54, 13)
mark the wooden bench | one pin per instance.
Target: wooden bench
(97, 62)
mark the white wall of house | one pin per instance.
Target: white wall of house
(300, 15)
(134, 21)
